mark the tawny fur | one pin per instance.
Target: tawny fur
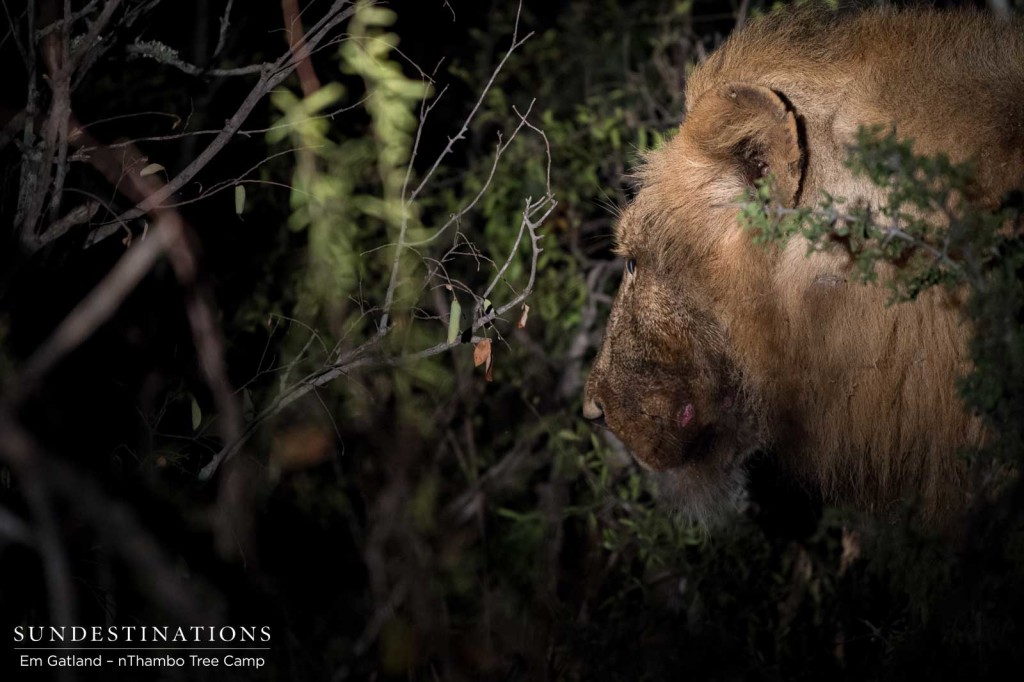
(783, 352)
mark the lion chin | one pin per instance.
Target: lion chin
(710, 486)
(702, 479)
(704, 493)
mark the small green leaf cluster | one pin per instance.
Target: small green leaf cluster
(347, 193)
(919, 219)
(925, 228)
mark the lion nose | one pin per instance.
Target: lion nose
(592, 410)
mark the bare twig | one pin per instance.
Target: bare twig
(466, 208)
(741, 14)
(163, 54)
(225, 24)
(67, 21)
(116, 167)
(15, 33)
(92, 35)
(535, 213)
(76, 216)
(516, 44)
(93, 48)
(273, 76)
(246, 132)
(409, 198)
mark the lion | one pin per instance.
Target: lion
(717, 348)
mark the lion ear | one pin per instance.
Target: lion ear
(754, 130)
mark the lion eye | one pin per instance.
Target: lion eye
(631, 266)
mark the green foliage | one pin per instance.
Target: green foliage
(346, 192)
(919, 226)
(925, 231)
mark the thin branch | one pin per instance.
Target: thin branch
(81, 214)
(157, 51)
(365, 355)
(22, 50)
(242, 179)
(516, 44)
(269, 79)
(511, 254)
(89, 42)
(115, 167)
(121, 117)
(225, 24)
(409, 199)
(95, 50)
(247, 132)
(499, 150)
(67, 21)
(547, 145)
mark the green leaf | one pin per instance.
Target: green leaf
(454, 320)
(239, 199)
(566, 434)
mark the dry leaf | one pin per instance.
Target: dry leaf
(489, 374)
(522, 317)
(482, 352)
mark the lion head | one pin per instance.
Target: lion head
(668, 379)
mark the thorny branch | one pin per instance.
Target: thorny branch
(367, 355)
(409, 198)
(163, 54)
(887, 232)
(45, 163)
(269, 79)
